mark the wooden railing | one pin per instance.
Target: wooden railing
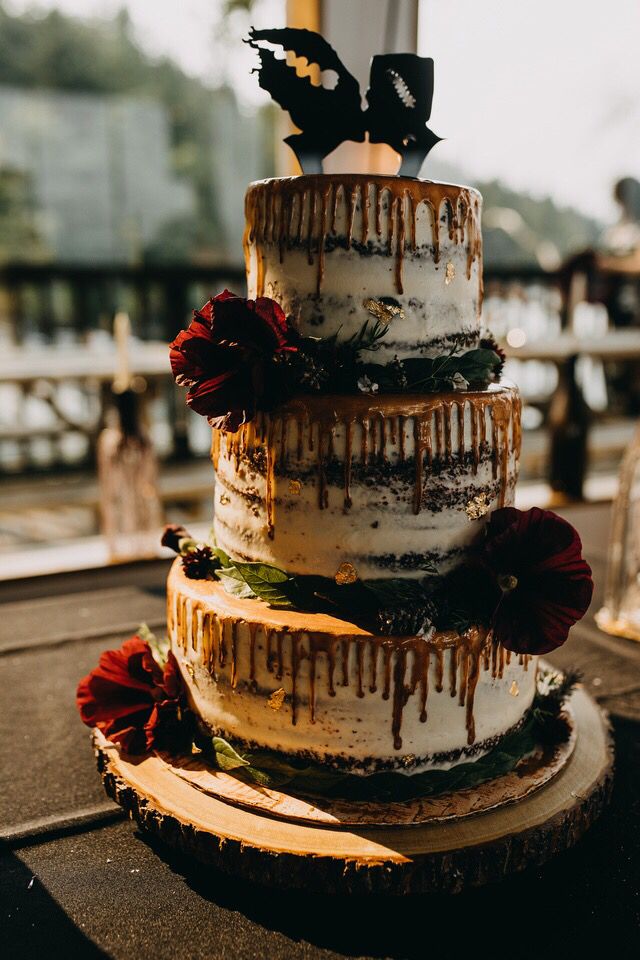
(50, 303)
(57, 357)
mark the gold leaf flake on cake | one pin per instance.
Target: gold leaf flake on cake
(449, 273)
(224, 499)
(346, 573)
(276, 699)
(477, 507)
(189, 668)
(514, 689)
(385, 312)
(295, 486)
(409, 760)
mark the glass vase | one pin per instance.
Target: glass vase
(620, 614)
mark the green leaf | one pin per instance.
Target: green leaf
(477, 365)
(226, 757)
(229, 760)
(186, 545)
(311, 776)
(222, 556)
(267, 582)
(159, 646)
(429, 374)
(234, 583)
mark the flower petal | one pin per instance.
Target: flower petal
(554, 584)
(259, 324)
(206, 313)
(194, 353)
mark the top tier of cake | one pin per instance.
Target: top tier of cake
(323, 245)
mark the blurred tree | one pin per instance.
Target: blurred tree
(59, 52)
(19, 235)
(231, 6)
(535, 223)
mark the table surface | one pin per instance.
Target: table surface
(78, 880)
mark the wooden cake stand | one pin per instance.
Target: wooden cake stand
(430, 845)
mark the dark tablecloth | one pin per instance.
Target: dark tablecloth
(79, 880)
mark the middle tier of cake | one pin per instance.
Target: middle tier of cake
(393, 485)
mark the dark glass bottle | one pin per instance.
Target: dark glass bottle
(569, 419)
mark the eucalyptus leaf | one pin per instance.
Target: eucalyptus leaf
(222, 556)
(186, 545)
(477, 365)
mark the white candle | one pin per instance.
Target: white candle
(122, 336)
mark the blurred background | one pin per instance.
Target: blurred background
(128, 133)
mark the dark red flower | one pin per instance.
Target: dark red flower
(546, 586)
(172, 534)
(199, 563)
(223, 355)
(489, 342)
(131, 699)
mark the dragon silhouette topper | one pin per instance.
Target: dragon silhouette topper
(398, 99)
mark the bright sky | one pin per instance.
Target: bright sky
(544, 95)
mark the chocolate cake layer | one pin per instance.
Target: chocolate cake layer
(391, 484)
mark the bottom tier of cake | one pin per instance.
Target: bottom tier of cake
(315, 686)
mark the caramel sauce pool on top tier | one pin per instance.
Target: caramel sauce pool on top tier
(275, 214)
(382, 425)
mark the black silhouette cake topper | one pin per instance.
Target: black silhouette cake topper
(399, 99)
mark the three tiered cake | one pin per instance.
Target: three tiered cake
(370, 600)
(366, 485)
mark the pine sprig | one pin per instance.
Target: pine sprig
(389, 606)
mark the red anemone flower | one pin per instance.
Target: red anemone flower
(223, 356)
(132, 700)
(545, 584)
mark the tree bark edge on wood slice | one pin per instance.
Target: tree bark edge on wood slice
(404, 861)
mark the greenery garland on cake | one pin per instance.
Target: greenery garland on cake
(137, 699)
(545, 724)
(526, 581)
(240, 356)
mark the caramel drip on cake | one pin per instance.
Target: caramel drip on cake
(320, 199)
(381, 425)
(359, 660)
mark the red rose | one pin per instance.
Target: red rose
(223, 356)
(546, 585)
(132, 700)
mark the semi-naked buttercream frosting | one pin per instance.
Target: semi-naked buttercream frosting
(385, 486)
(315, 686)
(322, 245)
(384, 483)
